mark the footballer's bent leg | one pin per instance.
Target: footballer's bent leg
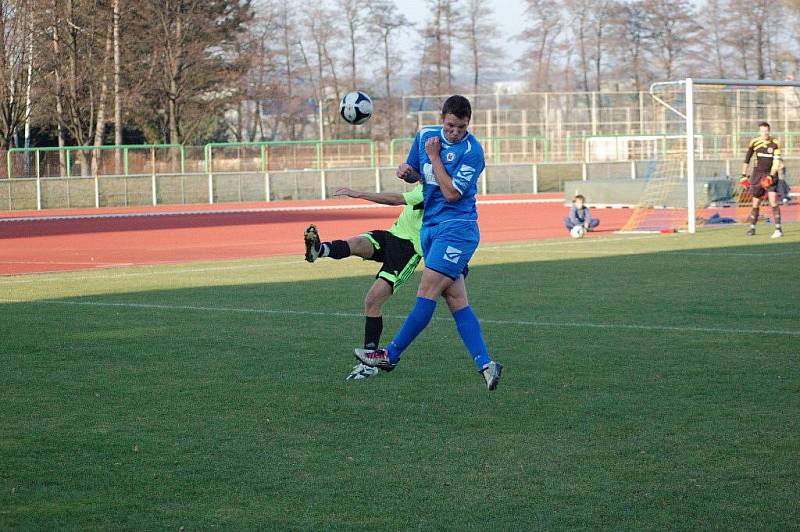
(361, 246)
(376, 297)
(431, 287)
(341, 249)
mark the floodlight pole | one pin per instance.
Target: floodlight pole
(690, 152)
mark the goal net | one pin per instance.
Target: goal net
(693, 182)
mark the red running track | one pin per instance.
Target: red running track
(34, 241)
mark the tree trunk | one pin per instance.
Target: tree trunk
(760, 50)
(173, 109)
(28, 83)
(598, 58)
(100, 128)
(473, 37)
(117, 95)
(387, 81)
(582, 51)
(287, 47)
(353, 80)
(75, 118)
(62, 164)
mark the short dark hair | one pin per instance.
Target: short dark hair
(457, 105)
(764, 124)
(579, 197)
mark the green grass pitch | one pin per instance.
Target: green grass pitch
(651, 382)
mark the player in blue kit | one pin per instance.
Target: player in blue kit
(450, 161)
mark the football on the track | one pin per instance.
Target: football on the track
(577, 232)
(355, 107)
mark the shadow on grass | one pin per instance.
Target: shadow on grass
(227, 405)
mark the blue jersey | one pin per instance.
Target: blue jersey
(463, 161)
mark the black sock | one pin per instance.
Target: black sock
(338, 249)
(372, 332)
(776, 214)
(753, 216)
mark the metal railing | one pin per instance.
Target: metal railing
(169, 159)
(275, 185)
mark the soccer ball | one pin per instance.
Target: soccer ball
(355, 107)
(577, 232)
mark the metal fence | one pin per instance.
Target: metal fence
(555, 115)
(224, 187)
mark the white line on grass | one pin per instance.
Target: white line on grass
(39, 276)
(525, 323)
(36, 277)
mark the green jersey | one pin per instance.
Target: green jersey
(409, 223)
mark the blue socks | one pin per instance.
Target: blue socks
(470, 330)
(417, 320)
(466, 322)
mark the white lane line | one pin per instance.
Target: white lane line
(248, 211)
(66, 263)
(524, 323)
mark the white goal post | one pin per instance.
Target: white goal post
(688, 116)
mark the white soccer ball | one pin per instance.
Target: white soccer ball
(355, 107)
(577, 232)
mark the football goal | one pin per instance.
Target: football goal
(698, 184)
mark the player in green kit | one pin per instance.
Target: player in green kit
(398, 249)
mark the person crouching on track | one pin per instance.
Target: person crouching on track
(579, 215)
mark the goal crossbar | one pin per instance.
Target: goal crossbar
(688, 85)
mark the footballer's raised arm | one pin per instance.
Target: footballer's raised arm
(384, 198)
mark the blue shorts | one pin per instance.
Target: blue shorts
(448, 247)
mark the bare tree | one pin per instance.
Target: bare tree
(602, 15)
(713, 18)
(327, 90)
(100, 125)
(16, 67)
(115, 24)
(81, 45)
(673, 32)
(384, 21)
(351, 12)
(481, 37)
(544, 26)
(193, 59)
(438, 37)
(760, 10)
(452, 28)
(285, 104)
(632, 38)
(580, 35)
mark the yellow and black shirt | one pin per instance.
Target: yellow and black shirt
(768, 156)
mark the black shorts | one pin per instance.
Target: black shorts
(397, 255)
(757, 191)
